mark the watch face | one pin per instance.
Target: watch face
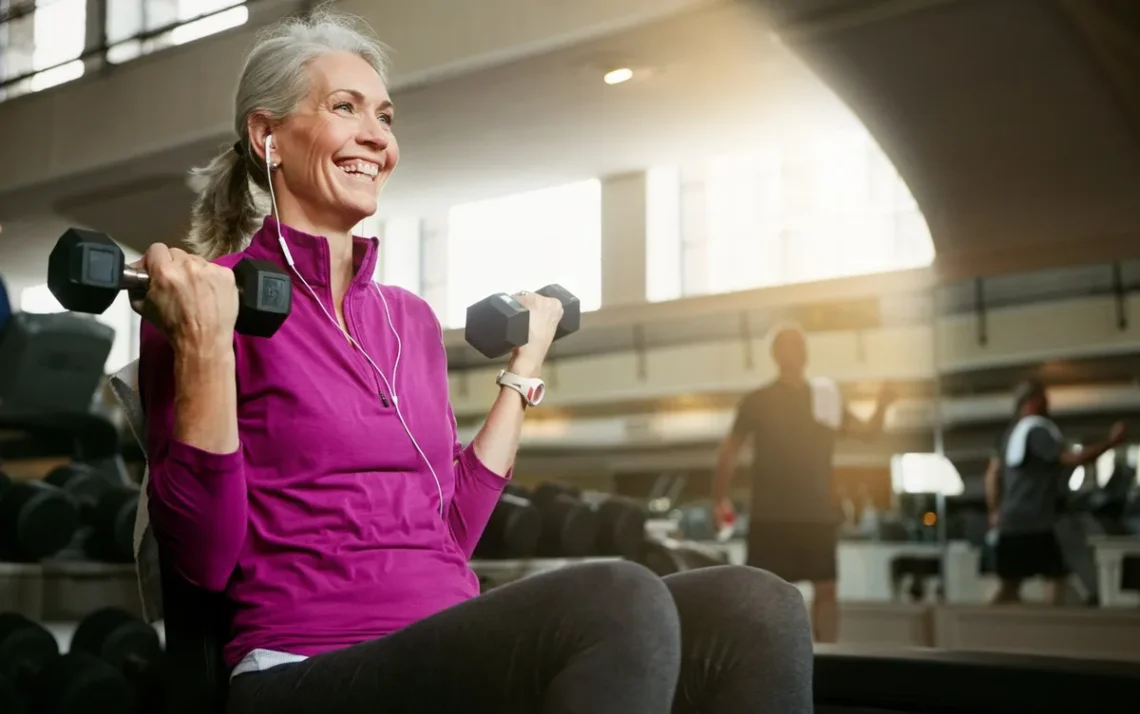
(536, 393)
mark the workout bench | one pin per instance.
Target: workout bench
(197, 621)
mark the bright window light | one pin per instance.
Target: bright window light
(925, 473)
(523, 242)
(197, 29)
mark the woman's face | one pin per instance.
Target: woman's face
(336, 151)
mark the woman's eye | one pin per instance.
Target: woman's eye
(386, 118)
(345, 106)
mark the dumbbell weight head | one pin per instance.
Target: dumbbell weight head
(120, 639)
(107, 507)
(512, 531)
(79, 683)
(37, 520)
(571, 309)
(113, 526)
(667, 557)
(265, 297)
(569, 526)
(496, 325)
(25, 649)
(10, 700)
(621, 527)
(85, 270)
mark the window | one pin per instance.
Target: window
(925, 473)
(120, 317)
(398, 260)
(812, 210)
(199, 18)
(48, 41)
(523, 242)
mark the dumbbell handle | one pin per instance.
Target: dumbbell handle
(134, 279)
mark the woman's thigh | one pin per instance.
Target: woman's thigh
(746, 643)
(594, 638)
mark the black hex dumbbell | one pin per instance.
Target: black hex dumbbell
(513, 529)
(621, 520)
(132, 648)
(37, 678)
(37, 520)
(86, 271)
(107, 508)
(499, 323)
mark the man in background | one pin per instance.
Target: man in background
(1024, 483)
(793, 423)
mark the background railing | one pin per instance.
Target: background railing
(44, 43)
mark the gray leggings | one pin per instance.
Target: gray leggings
(605, 638)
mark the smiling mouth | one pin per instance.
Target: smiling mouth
(363, 171)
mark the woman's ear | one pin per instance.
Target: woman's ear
(260, 129)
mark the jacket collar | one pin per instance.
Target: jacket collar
(310, 252)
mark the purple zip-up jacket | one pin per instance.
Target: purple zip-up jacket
(324, 527)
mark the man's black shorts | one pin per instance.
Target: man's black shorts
(1020, 556)
(796, 552)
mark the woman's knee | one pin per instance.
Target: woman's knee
(624, 599)
(749, 598)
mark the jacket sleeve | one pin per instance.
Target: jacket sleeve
(477, 490)
(198, 503)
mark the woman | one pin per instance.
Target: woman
(315, 476)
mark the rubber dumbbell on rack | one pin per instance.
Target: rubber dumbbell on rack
(131, 647)
(499, 323)
(38, 679)
(87, 270)
(569, 527)
(37, 520)
(107, 509)
(512, 531)
(668, 556)
(621, 520)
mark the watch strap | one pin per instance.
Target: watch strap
(532, 389)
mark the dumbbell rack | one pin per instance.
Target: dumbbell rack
(66, 590)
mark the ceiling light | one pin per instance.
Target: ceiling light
(618, 76)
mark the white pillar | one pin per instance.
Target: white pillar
(434, 263)
(624, 239)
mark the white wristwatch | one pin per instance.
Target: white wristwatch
(532, 389)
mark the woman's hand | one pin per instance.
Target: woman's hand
(194, 302)
(545, 314)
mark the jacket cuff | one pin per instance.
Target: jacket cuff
(198, 461)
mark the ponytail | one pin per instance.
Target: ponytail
(225, 214)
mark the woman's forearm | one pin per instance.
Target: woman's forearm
(497, 443)
(205, 396)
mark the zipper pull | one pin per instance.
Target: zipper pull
(383, 399)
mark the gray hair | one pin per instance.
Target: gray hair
(231, 188)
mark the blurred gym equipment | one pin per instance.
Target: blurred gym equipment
(107, 508)
(37, 520)
(512, 531)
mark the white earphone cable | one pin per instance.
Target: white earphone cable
(399, 344)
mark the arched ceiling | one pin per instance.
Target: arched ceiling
(1016, 124)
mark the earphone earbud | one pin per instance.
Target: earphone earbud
(268, 143)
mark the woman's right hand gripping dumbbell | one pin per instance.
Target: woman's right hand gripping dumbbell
(194, 302)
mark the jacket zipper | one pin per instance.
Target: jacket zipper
(355, 345)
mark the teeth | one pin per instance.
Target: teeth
(365, 168)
